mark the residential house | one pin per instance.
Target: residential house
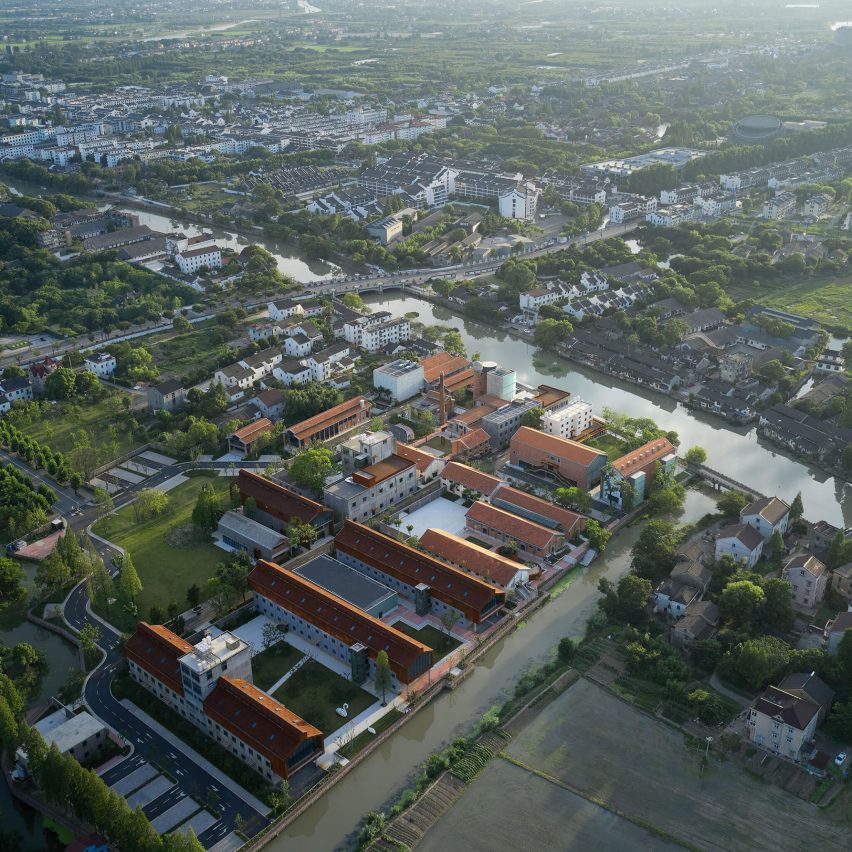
(236, 379)
(102, 364)
(808, 577)
(836, 630)
(565, 460)
(292, 372)
(700, 623)
(743, 543)
(166, 396)
(192, 260)
(767, 515)
(270, 404)
(686, 584)
(324, 363)
(841, 581)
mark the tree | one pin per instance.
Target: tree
(103, 501)
(89, 637)
(61, 384)
(149, 503)
(741, 603)
(193, 595)
(696, 455)
(52, 573)
(311, 466)
(383, 674)
(234, 573)
(775, 547)
(626, 601)
(101, 585)
(11, 582)
(566, 650)
(731, 503)
(597, 534)
(797, 507)
(9, 735)
(777, 610)
(573, 498)
(705, 654)
(756, 662)
(181, 324)
(549, 332)
(839, 551)
(667, 495)
(449, 619)
(301, 534)
(129, 584)
(532, 418)
(207, 509)
(655, 551)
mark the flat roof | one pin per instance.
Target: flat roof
(345, 582)
(212, 650)
(73, 731)
(373, 474)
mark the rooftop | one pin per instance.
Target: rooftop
(561, 447)
(237, 522)
(157, 650)
(516, 500)
(470, 477)
(312, 425)
(211, 651)
(344, 582)
(749, 536)
(470, 557)
(374, 474)
(511, 525)
(249, 434)
(637, 459)
(771, 509)
(276, 499)
(68, 732)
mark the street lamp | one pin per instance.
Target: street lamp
(707, 740)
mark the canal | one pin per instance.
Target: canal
(331, 822)
(734, 451)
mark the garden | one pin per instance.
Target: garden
(315, 692)
(440, 642)
(273, 663)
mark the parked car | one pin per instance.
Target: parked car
(840, 759)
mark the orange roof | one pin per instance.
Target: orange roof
(471, 596)
(472, 415)
(336, 616)
(378, 472)
(470, 477)
(561, 447)
(420, 458)
(512, 526)
(463, 377)
(562, 518)
(471, 557)
(253, 431)
(548, 396)
(639, 458)
(474, 439)
(320, 421)
(442, 362)
(157, 650)
(258, 720)
(277, 500)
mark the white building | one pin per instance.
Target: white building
(374, 331)
(766, 516)
(520, 202)
(101, 363)
(568, 422)
(403, 379)
(206, 257)
(742, 543)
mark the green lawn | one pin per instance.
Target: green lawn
(436, 639)
(166, 570)
(612, 446)
(187, 352)
(98, 423)
(273, 663)
(315, 691)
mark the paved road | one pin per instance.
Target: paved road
(147, 742)
(66, 500)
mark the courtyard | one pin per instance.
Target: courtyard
(441, 514)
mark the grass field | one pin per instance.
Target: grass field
(315, 691)
(187, 352)
(611, 445)
(273, 663)
(436, 639)
(166, 570)
(98, 423)
(825, 300)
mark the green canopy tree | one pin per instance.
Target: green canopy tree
(383, 673)
(311, 466)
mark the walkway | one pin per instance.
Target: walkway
(728, 693)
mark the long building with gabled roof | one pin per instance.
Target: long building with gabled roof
(431, 583)
(336, 626)
(278, 506)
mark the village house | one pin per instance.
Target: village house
(743, 543)
(767, 515)
(808, 577)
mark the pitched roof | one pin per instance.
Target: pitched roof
(276, 499)
(253, 431)
(637, 459)
(561, 447)
(474, 439)
(559, 517)
(326, 418)
(157, 650)
(771, 509)
(747, 535)
(511, 525)
(421, 459)
(789, 708)
(470, 477)
(809, 685)
(842, 622)
(335, 616)
(442, 362)
(468, 594)
(257, 719)
(808, 562)
(470, 557)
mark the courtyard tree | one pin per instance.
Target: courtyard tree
(777, 609)
(756, 662)
(573, 498)
(449, 619)
(301, 534)
(532, 418)
(207, 509)
(311, 466)
(597, 534)
(383, 674)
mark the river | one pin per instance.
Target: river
(735, 451)
(330, 823)
(61, 658)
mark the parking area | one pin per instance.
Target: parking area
(167, 805)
